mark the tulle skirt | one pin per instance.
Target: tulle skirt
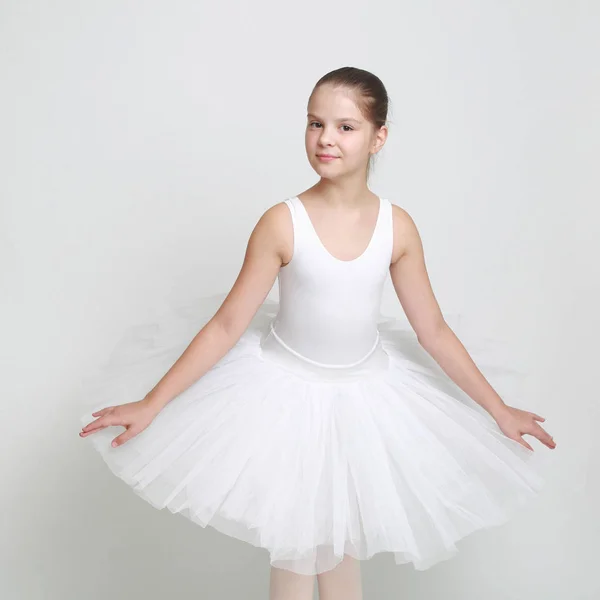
(307, 462)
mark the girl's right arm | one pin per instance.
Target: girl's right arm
(270, 245)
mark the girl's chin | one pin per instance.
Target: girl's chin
(326, 164)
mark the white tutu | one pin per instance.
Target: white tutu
(311, 463)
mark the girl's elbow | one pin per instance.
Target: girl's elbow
(427, 336)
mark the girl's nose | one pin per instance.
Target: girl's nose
(325, 139)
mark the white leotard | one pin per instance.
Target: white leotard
(329, 308)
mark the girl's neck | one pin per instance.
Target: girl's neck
(337, 196)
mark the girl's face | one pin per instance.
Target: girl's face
(335, 126)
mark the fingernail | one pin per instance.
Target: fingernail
(114, 444)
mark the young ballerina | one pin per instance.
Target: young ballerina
(303, 426)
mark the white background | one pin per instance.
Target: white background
(139, 144)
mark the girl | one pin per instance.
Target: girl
(303, 426)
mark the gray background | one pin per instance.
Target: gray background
(141, 141)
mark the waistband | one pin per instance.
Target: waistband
(275, 349)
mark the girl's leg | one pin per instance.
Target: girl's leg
(341, 583)
(287, 585)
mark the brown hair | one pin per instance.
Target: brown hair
(372, 98)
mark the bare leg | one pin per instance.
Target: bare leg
(341, 583)
(287, 585)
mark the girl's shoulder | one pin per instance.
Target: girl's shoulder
(278, 214)
(400, 214)
(401, 218)
(275, 218)
(275, 226)
(397, 210)
(405, 231)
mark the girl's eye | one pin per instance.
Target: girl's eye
(317, 123)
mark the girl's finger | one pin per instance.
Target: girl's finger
(121, 439)
(524, 443)
(541, 434)
(88, 426)
(94, 425)
(101, 412)
(98, 413)
(102, 422)
(84, 433)
(546, 438)
(537, 417)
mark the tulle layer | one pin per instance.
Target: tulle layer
(309, 467)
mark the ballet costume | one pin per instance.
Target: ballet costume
(318, 434)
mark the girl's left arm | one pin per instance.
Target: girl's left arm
(413, 288)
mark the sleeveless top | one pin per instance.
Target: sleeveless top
(329, 308)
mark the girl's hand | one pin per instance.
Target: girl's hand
(514, 422)
(134, 416)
